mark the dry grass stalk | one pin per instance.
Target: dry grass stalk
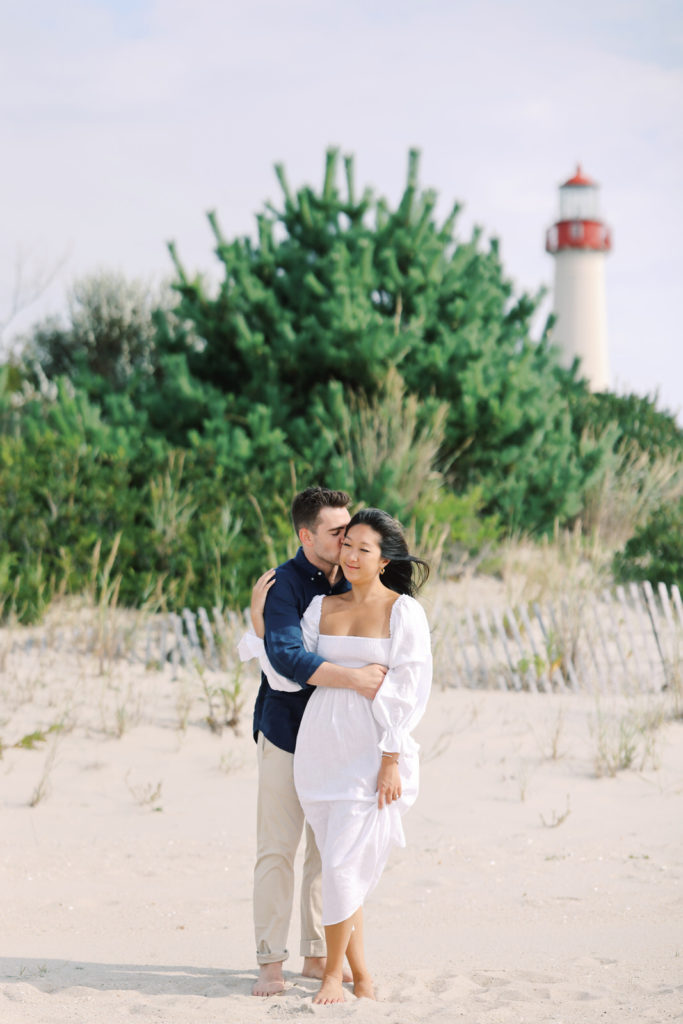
(42, 788)
(557, 819)
(631, 486)
(626, 739)
(145, 794)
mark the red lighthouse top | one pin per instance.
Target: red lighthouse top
(579, 179)
(579, 225)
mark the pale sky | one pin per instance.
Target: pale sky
(124, 121)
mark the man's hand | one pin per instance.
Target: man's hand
(368, 679)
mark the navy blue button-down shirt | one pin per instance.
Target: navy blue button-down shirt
(278, 714)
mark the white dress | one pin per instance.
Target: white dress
(339, 750)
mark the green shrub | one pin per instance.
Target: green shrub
(191, 522)
(655, 552)
(110, 334)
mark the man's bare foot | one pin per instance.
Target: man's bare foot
(362, 987)
(330, 991)
(270, 980)
(314, 967)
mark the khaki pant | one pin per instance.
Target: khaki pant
(279, 824)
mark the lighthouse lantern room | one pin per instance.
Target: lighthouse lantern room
(579, 241)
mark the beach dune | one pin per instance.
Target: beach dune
(533, 888)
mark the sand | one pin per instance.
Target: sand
(531, 889)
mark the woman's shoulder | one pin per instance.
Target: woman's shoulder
(407, 609)
(314, 607)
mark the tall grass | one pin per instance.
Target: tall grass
(392, 444)
(629, 488)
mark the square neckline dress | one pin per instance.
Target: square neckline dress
(339, 748)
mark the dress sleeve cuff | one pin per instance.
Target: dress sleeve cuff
(250, 646)
(395, 741)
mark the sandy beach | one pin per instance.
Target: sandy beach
(534, 888)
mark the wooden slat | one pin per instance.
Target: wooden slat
(670, 632)
(208, 637)
(624, 682)
(678, 604)
(530, 673)
(608, 670)
(555, 674)
(500, 676)
(656, 625)
(181, 644)
(590, 647)
(537, 656)
(645, 632)
(474, 633)
(471, 681)
(498, 622)
(628, 630)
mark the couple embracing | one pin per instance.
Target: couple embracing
(345, 653)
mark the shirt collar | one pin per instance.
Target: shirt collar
(312, 572)
(302, 563)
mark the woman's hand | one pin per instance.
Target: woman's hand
(388, 781)
(258, 601)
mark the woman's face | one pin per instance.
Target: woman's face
(361, 554)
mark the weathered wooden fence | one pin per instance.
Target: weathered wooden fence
(626, 641)
(191, 639)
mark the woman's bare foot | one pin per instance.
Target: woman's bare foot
(270, 980)
(314, 967)
(362, 987)
(330, 991)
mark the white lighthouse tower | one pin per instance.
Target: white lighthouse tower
(579, 241)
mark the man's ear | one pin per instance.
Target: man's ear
(305, 537)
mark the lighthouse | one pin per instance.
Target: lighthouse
(579, 241)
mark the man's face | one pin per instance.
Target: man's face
(323, 544)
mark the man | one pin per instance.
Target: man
(320, 517)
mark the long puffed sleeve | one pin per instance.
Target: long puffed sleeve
(252, 646)
(402, 698)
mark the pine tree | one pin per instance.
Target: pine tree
(339, 289)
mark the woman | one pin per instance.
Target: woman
(355, 764)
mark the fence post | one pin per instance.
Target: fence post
(543, 675)
(654, 619)
(463, 648)
(498, 621)
(487, 633)
(530, 673)
(208, 636)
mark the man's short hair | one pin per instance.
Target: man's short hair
(307, 505)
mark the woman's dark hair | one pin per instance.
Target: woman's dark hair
(405, 573)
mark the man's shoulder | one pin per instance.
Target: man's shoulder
(294, 570)
(291, 587)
